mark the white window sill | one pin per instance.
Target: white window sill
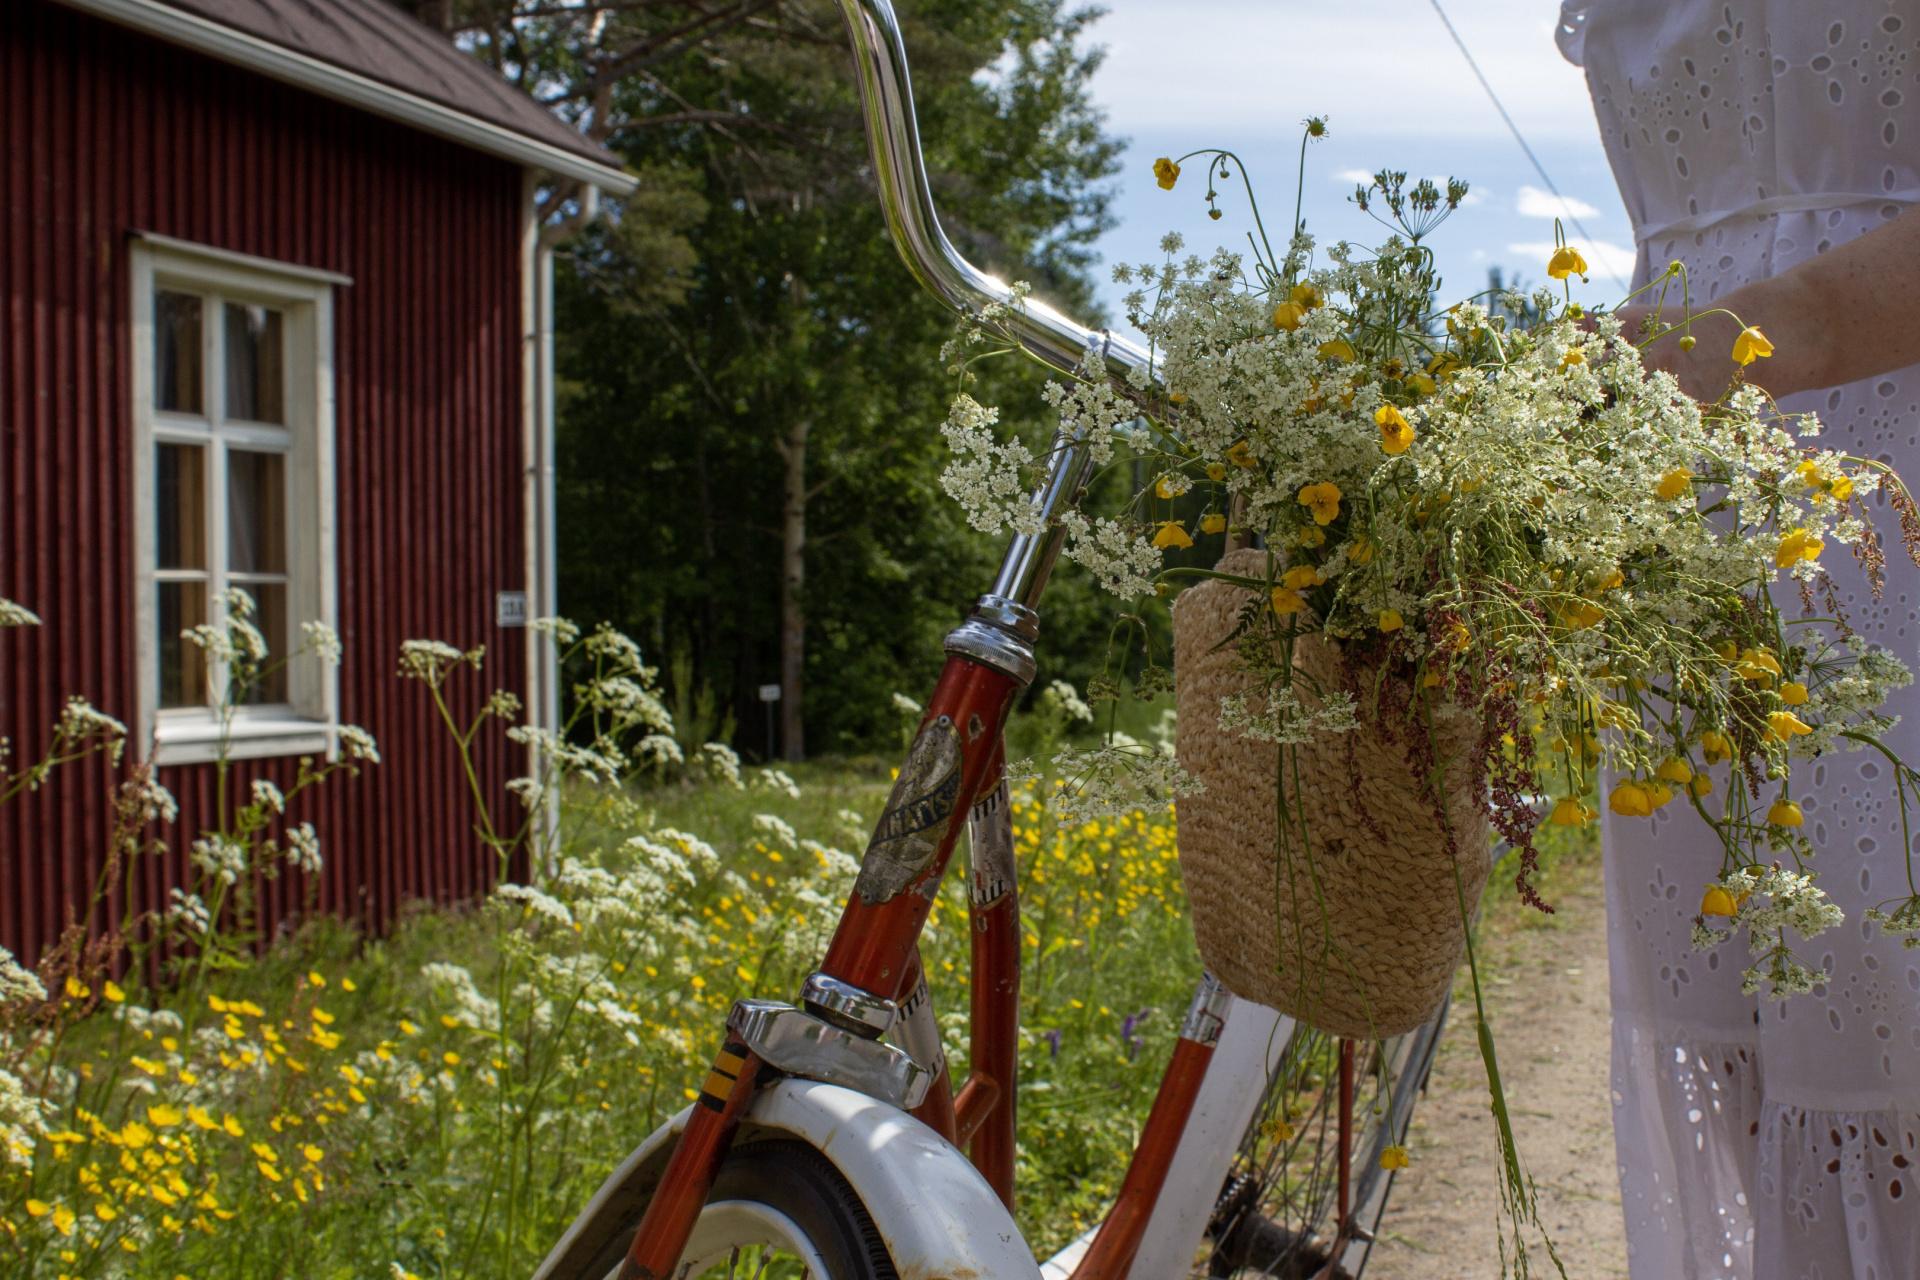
(198, 739)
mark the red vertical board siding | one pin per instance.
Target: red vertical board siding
(106, 133)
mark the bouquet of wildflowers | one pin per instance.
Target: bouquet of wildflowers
(1499, 506)
(1496, 510)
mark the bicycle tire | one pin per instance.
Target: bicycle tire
(779, 1193)
(1275, 1217)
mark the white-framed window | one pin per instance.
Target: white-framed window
(233, 487)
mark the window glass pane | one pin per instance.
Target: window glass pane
(256, 512)
(253, 353)
(183, 672)
(179, 506)
(177, 355)
(270, 615)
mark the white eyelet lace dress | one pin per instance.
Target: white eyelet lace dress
(1764, 1140)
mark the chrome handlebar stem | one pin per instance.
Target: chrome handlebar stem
(1002, 629)
(900, 169)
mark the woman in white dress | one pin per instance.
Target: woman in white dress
(1771, 146)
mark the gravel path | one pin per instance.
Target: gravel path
(1546, 984)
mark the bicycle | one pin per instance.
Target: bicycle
(826, 1140)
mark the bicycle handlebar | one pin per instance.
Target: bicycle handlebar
(893, 136)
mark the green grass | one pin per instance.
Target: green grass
(453, 1143)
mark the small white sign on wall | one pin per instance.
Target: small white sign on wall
(769, 693)
(510, 609)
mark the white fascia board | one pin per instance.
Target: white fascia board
(324, 78)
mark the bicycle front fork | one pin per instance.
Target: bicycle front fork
(872, 964)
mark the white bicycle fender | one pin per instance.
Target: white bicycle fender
(939, 1218)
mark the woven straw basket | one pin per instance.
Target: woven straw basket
(1355, 930)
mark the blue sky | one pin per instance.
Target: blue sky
(1242, 74)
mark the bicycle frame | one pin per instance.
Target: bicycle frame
(870, 982)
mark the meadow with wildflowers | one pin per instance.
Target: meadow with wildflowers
(442, 1100)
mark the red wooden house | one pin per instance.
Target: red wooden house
(273, 313)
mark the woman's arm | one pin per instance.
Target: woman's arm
(1846, 314)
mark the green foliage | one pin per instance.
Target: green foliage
(750, 285)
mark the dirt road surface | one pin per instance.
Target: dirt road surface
(1545, 980)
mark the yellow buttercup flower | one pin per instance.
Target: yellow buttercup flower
(38, 1208)
(1323, 500)
(1793, 693)
(1338, 349)
(1784, 726)
(1313, 536)
(76, 989)
(1306, 295)
(1675, 770)
(1213, 522)
(1630, 799)
(1573, 357)
(1163, 487)
(1300, 577)
(1658, 793)
(165, 1115)
(1390, 620)
(1396, 433)
(1757, 664)
(1566, 261)
(1172, 534)
(1166, 173)
(1240, 455)
(1395, 1157)
(1216, 472)
(1799, 544)
(1673, 484)
(1286, 600)
(112, 991)
(1361, 550)
(1569, 812)
(1718, 902)
(1751, 345)
(1288, 316)
(1785, 813)
(1581, 614)
(1700, 787)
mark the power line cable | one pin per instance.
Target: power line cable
(1518, 137)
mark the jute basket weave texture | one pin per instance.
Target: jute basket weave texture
(1356, 928)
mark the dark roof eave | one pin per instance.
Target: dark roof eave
(290, 66)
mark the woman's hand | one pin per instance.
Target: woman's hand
(1840, 316)
(1705, 366)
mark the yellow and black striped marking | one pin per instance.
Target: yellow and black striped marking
(719, 1082)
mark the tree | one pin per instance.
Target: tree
(749, 452)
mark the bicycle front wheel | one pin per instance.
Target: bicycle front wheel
(1279, 1213)
(779, 1211)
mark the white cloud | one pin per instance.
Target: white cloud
(1210, 69)
(1360, 176)
(1532, 202)
(1604, 259)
